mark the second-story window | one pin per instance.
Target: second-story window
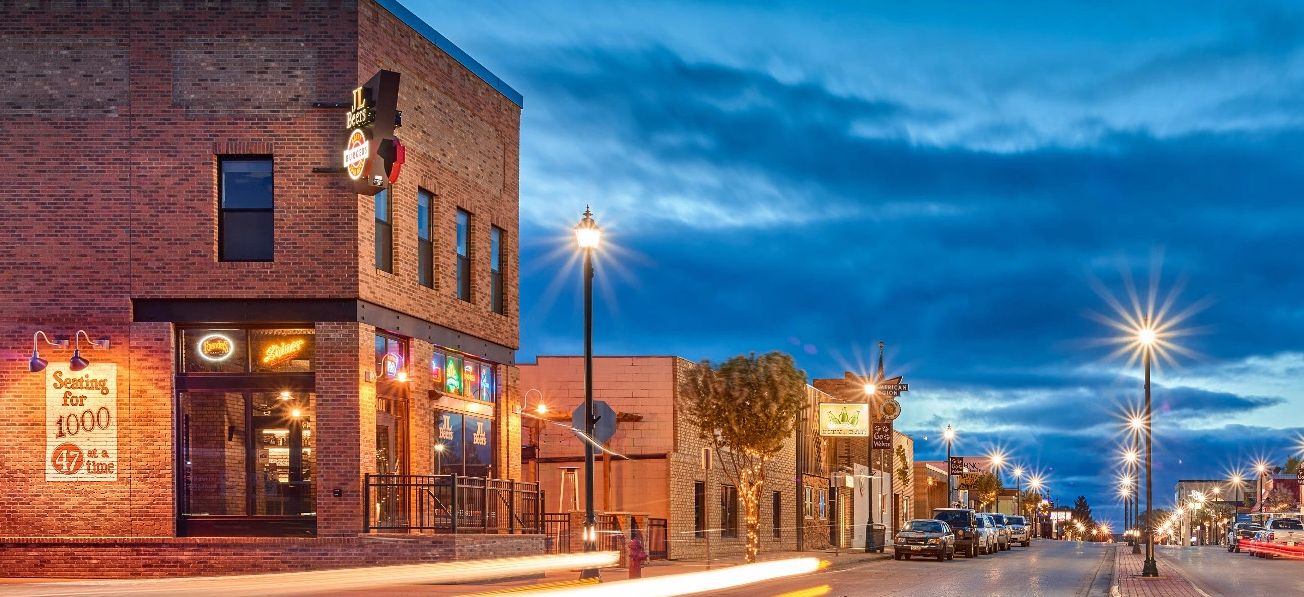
(496, 269)
(463, 255)
(246, 226)
(384, 232)
(425, 247)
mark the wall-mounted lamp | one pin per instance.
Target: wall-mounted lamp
(36, 363)
(77, 363)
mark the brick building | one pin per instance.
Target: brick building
(890, 500)
(930, 487)
(270, 335)
(660, 472)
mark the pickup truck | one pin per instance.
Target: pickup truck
(1281, 531)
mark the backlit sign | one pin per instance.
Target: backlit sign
(277, 353)
(844, 420)
(215, 347)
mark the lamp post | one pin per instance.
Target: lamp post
(1146, 338)
(439, 457)
(1132, 458)
(871, 389)
(587, 236)
(1018, 489)
(1262, 469)
(1034, 483)
(998, 462)
(948, 434)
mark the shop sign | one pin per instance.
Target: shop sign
(372, 154)
(844, 420)
(81, 423)
(215, 347)
(391, 365)
(882, 435)
(277, 353)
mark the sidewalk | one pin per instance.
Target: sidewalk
(1128, 581)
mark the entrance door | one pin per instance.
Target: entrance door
(247, 463)
(390, 508)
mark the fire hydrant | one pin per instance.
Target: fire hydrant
(637, 555)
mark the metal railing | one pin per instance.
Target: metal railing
(557, 532)
(450, 504)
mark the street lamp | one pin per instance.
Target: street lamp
(439, 457)
(1262, 468)
(1133, 458)
(587, 237)
(997, 458)
(1145, 338)
(948, 435)
(1018, 488)
(1034, 483)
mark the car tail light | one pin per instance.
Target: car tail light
(1272, 536)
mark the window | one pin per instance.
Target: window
(463, 444)
(824, 503)
(776, 513)
(496, 268)
(728, 511)
(425, 247)
(464, 377)
(256, 350)
(808, 502)
(245, 228)
(247, 454)
(463, 255)
(384, 232)
(699, 509)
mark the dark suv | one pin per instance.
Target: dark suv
(964, 522)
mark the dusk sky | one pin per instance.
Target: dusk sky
(954, 178)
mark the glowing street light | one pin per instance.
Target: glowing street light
(1260, 467)
(948, 435)
(587, 237)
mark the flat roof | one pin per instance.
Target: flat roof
(398, 10)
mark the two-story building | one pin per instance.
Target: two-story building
(208, 330)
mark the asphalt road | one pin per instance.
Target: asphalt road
(1051, 568)
(1217, 572)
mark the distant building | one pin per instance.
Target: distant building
(930, 487)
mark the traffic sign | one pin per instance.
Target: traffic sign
(603, 428)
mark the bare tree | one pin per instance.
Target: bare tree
(745, 409)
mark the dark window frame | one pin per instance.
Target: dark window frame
(728, 512)
(463, 242)
(426, 246)
(776, 516)
(497, 265)
(222, 211)
(388, 223)
(699, 509)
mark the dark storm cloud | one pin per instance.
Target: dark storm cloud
(785, 208)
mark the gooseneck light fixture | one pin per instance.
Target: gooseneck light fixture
(36, 363)
(77, 363)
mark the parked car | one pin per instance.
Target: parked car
(1241, 530)
(987, 534)
(1019, 532)
(924, 538)
(1002, 532)
(964, 523)
(1281, 531)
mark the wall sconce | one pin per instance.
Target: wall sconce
(36, 363)
(77, 363)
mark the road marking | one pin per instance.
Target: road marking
(538, 587)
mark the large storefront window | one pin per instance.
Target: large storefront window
(246, 457)
(247, 454)
(463, 376)
(464, 444)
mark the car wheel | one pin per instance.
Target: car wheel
(973, 550)
(951, 554)
(907, 556)
(896, 556)
(941, 556)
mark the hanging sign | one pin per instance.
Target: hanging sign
(882, 435)
(957, 465)
(890, 410)
(81, 423)
(839, 419)
(372, 154)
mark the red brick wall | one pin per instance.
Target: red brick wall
(124, 112)
(462, 140)
(160, 557)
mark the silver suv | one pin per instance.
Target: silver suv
(1019, 533)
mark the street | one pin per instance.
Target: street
(1217, 572)
(1047, 568)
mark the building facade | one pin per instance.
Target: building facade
(260, 336)
(662, 468)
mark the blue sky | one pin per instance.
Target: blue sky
(954, 178)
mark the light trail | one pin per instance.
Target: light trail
(322, 582)
(692, 582)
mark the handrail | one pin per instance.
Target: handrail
(450, 504)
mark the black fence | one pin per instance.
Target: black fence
(658, 541)
(557, 532)
(450, 504)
